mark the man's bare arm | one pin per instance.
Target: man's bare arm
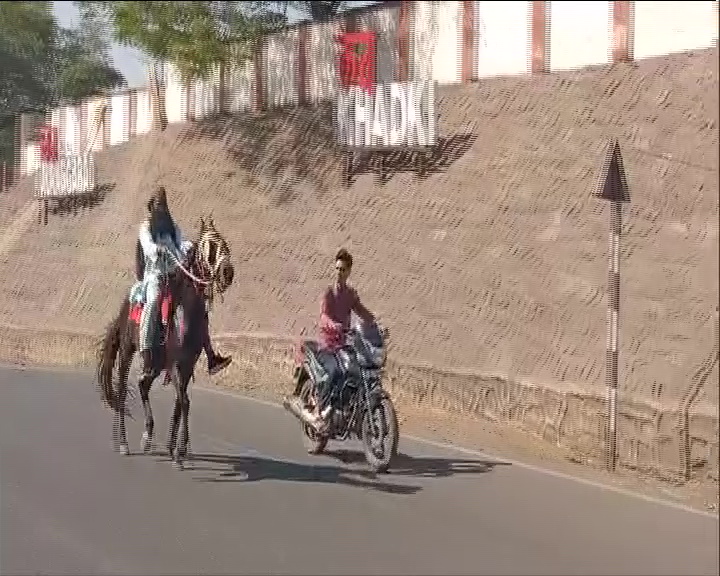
(360, 310)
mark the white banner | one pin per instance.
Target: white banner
(400, 114)
(68, 176)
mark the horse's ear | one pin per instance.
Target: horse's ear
(202, 224)
(211, 223)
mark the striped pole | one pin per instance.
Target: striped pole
(613, 334)
(612, 186)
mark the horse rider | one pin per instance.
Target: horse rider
(159, 232)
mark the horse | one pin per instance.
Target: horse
(183, 301)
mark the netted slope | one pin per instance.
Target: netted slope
(495, 262)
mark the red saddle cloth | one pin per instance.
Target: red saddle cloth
(165, 311)
(165, 308)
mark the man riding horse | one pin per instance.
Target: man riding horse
(159, 234)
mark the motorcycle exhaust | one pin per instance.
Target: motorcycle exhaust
(295, 408)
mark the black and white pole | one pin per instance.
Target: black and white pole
(613, 328)
(612, 186)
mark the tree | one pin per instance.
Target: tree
(42, 64)
(83, 66)
(194, 36)
(198, 38)
(27, 32)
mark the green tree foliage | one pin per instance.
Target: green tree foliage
(27, 32)
(83, 65)
(42, 64)
(27, 35)
(194, 36)
(198, 36)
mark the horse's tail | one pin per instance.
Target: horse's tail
(107, 352)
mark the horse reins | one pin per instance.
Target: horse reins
(187, 272)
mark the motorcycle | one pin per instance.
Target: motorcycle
(358, 406)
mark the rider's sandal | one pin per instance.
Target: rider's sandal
(221, 364)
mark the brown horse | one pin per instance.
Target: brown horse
(183, 302)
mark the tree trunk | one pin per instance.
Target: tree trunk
(157, 100)
(222, 81)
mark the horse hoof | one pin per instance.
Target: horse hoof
(124, 449)
(178, 465)
(146, 443)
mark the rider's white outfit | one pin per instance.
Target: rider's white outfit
(157, 266)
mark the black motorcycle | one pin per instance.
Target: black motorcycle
(358, 405)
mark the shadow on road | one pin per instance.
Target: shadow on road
(420, 467)
(254, 468)
(231, 468)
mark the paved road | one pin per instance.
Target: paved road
(254, 502)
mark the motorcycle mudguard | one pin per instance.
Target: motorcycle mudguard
(377, 395)
(313, 366)
(310, 369)
(300, 375)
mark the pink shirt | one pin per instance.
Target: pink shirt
(337, 305)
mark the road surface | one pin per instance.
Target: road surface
(253, 501)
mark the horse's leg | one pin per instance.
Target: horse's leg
(127, 350)
(147, 438)
(116, 432)
(122, 397)
(174, 420)
(172, 374)
(182, 385)
(174, 427)
(144, 385)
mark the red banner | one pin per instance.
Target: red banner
(48, 143)
(357, 60)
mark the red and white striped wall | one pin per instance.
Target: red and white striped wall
(447, 41)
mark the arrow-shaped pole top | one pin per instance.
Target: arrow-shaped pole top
(612, 181)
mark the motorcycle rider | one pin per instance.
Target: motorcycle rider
(338, 302)
(158, 231)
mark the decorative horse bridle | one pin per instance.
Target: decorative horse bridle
(211, 252)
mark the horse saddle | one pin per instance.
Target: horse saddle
(137, 305)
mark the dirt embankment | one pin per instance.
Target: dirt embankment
(495, 263)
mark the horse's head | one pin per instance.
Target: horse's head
(213, 256)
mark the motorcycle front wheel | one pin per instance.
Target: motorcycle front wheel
(314, 443)
(380, 435)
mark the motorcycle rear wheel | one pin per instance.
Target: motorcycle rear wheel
(314, 443)
(386, 421)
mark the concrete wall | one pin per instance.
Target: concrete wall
(449, 41)
(322, 79)
(667, 27)
(280, 70)
(504, 43)
(143, 118)
(239, 88)
(590, 43)
(119, 119)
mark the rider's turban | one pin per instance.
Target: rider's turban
(159, 198)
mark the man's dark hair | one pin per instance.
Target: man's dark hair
(344, 256)
(158, 197)
(161, 221)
